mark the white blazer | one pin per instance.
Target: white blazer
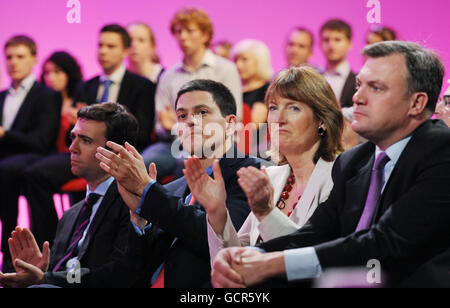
(276, 224)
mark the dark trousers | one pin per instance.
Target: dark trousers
(11, 172)
(41, 181)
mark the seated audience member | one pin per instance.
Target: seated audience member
(350, 138)
(389, 201)
(299, 47)
(177, 240)
(222, 48)
(336, 42)
(443, 107)
(253, 61)
(380, 34)
(95, 233)
(115, 84)
(142, 59)
(193, 31)
(30, 116)
(306, 125)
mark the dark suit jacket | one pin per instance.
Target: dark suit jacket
(137, 93)
(108, 256)
(348, 91)
(411, 227)
(187, 262)
(36, 126)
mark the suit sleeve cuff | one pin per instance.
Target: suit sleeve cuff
(139, 209)
(302, 263)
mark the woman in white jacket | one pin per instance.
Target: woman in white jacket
(306, 124)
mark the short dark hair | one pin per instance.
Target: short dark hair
(22, 40)
(69, 65)
(337, 25)
(126, 39)
(220, 93)
(121, 125)
(425, 69)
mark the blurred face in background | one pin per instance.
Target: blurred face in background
(111, 51)
(335, 45)
(247, 65)
(443, 108)
(55, 77)
(298, 48)
(19, 62)
(190, 38)
(142, 48)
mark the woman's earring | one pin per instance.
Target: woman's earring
(321, 131)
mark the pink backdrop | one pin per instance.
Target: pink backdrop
(416, 20)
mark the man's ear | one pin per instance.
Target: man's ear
(231, 124)
(418, 103)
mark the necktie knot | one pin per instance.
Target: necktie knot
(107, 82)
(91, 199)
(381, 161)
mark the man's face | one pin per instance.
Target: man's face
(87, 136)
(111, 51)
(19, 62)
(298, 48)
(335, 45)
(190, 38)
(141, 46)
(381, 103)
(201, 127)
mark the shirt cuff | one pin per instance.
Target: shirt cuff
(139, 209)
(302, 263)
(138, 230)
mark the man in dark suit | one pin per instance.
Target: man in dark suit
(336, 41)
(116, 84)
(390, 200)
(29, 122)
(92, 239)
(176, 239)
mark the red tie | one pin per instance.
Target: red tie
(159, 282)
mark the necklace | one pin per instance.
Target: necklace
(285, 194)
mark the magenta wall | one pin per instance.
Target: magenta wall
(45, 20)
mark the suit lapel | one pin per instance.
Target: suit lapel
(2, 102)
(93, 90)
(125, 88)
(68, 228)
(110, 196)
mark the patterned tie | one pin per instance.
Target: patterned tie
(106, 84)
(82, 223)
(376, 183)
(159, 281)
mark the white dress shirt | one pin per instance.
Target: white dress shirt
(337, 78)
(114, 88)
(14, 100)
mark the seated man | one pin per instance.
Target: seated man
(95, 234)
(390, 199)
(29, 123)
(177, 240)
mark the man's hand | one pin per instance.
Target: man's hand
(23, 246)
(2, 132)
(168, 118)
(222, 274)
(127, 167)
(259, 190)
(29, 275)
(209, 192)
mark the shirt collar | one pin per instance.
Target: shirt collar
(209, 59)
(102, 188)
(395, 150)
(342, 69)
(115, 77)
(25, 85)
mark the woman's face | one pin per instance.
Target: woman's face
(293, 125)
(443, 109)
(55, 77)
(141, 46)
(246, 64)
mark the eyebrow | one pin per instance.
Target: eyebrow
(195, 108)
(72, 135)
